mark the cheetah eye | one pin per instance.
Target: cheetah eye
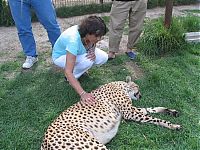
(130, 90)
(135, 94)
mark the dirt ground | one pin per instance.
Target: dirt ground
(10, 45)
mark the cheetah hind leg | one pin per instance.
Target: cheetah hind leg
(164, 110)
(71, 138)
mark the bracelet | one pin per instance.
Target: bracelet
(82, 93)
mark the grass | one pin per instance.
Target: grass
(31, 100)
(173, 82)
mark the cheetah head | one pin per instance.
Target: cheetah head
(132, 89)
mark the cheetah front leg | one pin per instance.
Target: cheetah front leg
(164, 110)
(136, 115)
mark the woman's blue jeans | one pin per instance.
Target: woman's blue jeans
(21, 13)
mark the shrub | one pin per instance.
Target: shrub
(63, 12)
(78, 10)
(184, 2)
(5, 15)
(156, 3)
(158, 40)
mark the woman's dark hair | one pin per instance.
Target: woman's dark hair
(92, 25)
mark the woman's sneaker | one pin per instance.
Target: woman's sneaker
(30, 61)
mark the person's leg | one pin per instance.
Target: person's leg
(60, 62)
(21, 14)
(101, 57)
(136, 20)
(118, 15)
(46, 14)
(81, 66)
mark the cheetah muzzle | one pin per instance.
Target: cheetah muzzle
(84, 126)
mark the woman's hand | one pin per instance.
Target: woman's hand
(91, 55)
(87, 98)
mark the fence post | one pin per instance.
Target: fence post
(168, 13)
(101, 1)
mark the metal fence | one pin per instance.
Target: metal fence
(62, 3)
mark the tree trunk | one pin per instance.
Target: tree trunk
(168, 13)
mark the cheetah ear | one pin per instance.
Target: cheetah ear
(128, 79)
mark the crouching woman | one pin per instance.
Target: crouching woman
(75, 51)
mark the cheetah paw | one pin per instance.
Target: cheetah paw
(176, 127)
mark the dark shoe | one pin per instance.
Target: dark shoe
(111, 57)
(66, 79)
(86, 74)
(131, 55)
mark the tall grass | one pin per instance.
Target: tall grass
(191, 23)
(158, 40)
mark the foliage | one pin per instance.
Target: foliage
(78, 10)
(158, 40)
(5, 14)
(156, 3)
(6, 18)
(191, 23)
(184, 2)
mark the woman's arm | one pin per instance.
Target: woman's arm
(69, 67)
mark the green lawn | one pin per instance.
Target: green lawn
(31, 100)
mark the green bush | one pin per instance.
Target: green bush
(158, 40)
(6, 17)
(78, 10)
(5, 14)
(155, 3)
(63, 12)
(184, 2)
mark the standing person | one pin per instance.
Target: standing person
(135, 11)
(75, 51)
(21, 13)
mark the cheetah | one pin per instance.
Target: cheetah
(86, 126)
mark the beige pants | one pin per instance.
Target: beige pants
(135, 11)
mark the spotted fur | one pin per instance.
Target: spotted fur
(84, 126)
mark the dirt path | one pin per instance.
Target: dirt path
(10, 46)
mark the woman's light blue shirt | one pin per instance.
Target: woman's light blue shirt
(69, 41)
